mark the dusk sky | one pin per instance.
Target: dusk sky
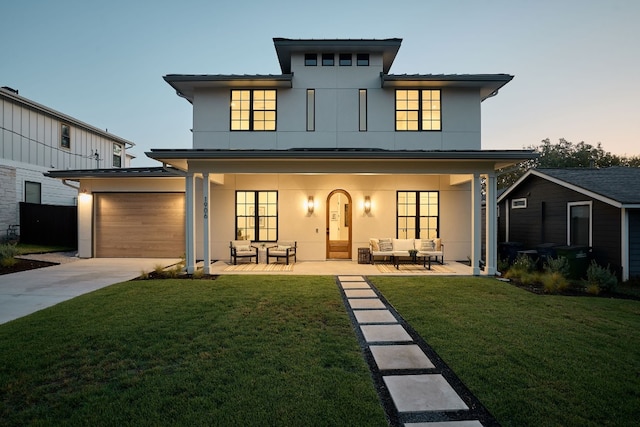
(576, 62)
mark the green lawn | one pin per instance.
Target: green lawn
(240, 350)
(532, 360)
(280, 350)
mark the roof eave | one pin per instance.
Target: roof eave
(186, 85)
(488, 84)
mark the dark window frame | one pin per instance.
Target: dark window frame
(255, 220)
(362, 59)
(420, 111)
(311, 110)
(418, 214)
(252, 111)
(362, 123)
(310, 59)
(345, 59)
(328, 59)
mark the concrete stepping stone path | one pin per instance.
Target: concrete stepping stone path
(416, 388)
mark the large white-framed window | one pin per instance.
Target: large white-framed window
(418, 214)
(579, 229)
(257, 215)
(117, 156)
(253, 110)
(519, 203)
(418, 110)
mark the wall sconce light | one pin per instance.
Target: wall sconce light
(367, 204)
(310, 205)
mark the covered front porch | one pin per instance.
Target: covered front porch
(303, 181)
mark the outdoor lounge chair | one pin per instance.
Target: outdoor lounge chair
(284, 250)
(242, 249)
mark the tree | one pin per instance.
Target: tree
(565, 154)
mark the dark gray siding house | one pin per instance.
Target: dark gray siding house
(598, 208)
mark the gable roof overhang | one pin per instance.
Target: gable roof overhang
(340, 161)
(285, 47)
(618, 202)
(185, 85)
(27, 103)
(488, 84)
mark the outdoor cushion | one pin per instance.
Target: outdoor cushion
(385, 245)
(246, 248)
(403, 245)
(427, 245)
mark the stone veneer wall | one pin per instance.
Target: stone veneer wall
(8, 201)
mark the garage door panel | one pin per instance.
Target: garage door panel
(137, 225)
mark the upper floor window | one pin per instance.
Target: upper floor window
(418, 110)
(65, 135)
(253, 110)
(310, 59)
(362, 60)
(117, 156)
(345, 60)
(328, 59)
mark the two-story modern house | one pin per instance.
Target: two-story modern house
(329, 153)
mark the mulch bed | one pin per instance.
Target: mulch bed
(571, 291)
(23, 265)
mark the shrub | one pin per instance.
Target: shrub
(7, 255)
(520, 267)
(530, 278)
(554, 282)
(601, 277)
(503, 265)
(557, 265)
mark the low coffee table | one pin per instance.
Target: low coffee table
(412, 258)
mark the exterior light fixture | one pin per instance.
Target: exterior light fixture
(367, 204)
(310, 205)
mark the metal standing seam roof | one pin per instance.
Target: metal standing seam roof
(618, 183)
(142, 172)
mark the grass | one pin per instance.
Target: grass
(27, 248)
(259, 350)
(532, 360)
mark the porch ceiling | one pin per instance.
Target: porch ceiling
(339, 161)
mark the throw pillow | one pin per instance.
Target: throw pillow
(375, 246)
(427, 245)
(438, 243)
(385, 245)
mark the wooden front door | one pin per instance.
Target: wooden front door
(339, 225)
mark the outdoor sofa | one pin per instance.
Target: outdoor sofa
(392, 248)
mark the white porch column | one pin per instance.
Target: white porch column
(491, 224)
(476, 214)
(205, 222)
(190, 228)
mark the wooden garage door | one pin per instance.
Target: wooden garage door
(140, 225)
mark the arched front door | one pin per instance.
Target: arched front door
(339, 225)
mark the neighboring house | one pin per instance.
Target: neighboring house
(333, 151)
(35, 139)
(597, 208)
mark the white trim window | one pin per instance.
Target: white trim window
(579, 223)
(519, 203)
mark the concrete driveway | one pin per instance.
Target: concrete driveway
(29, 291)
